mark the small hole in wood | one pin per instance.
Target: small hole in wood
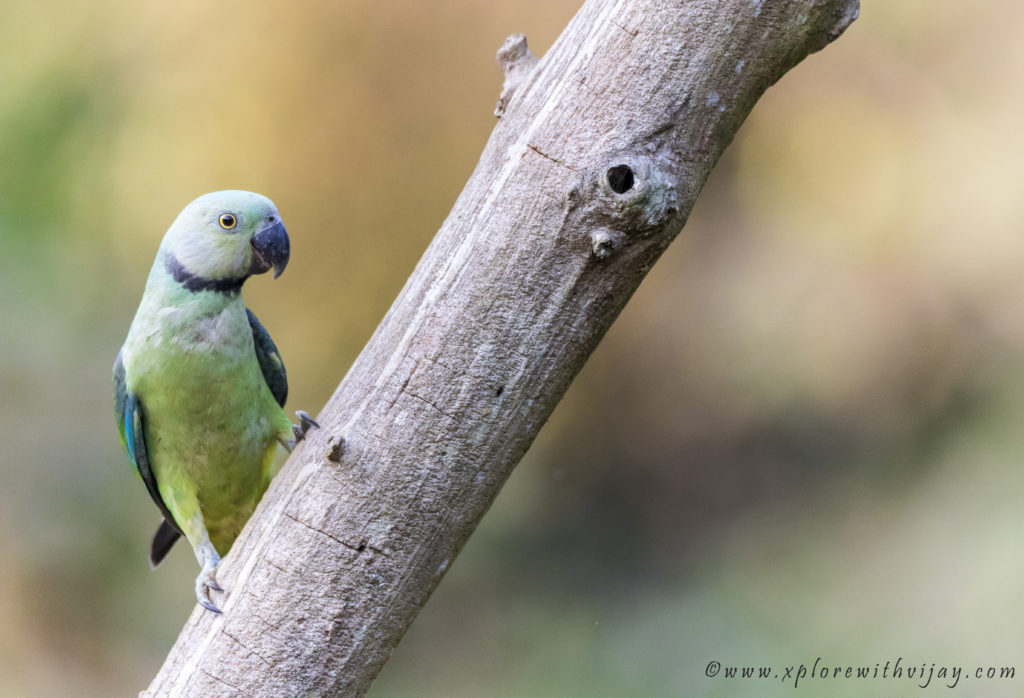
(620, 178)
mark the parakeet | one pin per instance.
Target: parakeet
(199, 386)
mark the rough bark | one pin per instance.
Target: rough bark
(601, 150)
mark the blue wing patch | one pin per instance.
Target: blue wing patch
(129, 413)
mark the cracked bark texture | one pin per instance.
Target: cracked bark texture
(600, 152)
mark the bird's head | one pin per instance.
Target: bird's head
(226, 236)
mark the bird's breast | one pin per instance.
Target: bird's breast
(191, 349)
(226, 331)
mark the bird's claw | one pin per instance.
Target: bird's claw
(208, 605)
(305, 422)
(207, 580)
(301, 429)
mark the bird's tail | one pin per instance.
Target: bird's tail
(163, 539)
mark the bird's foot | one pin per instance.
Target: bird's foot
(207, 579)
(305, 422)
(302, 428)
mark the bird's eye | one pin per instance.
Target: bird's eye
(228, 221)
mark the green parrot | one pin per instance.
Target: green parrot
(199, 386)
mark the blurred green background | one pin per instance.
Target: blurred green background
(801, 438)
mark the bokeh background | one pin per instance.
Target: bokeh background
(801, 439)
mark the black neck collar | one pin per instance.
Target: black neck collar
(196, 283)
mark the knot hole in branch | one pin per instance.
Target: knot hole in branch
(633, 195)
(620, 178)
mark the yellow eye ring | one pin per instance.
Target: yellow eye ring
(228, 221)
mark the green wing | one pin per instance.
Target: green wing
(129, 413)
(270, 360)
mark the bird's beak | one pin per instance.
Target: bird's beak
(271, 249)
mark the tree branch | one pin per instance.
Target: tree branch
(601, 150)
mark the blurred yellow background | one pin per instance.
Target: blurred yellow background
(801, 438)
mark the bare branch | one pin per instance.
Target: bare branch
(600, 153)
